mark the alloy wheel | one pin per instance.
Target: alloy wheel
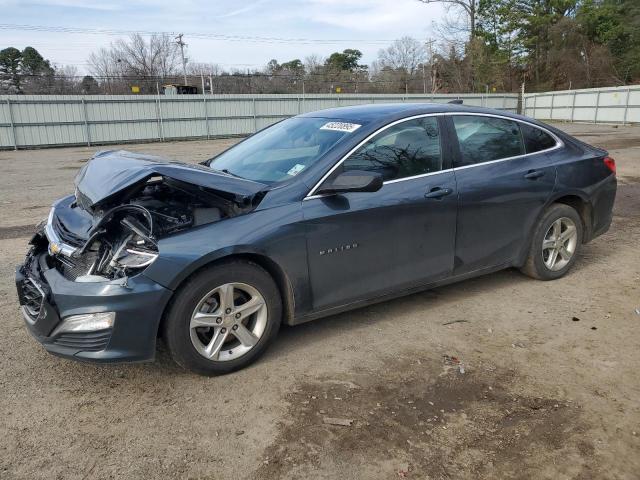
(228, 322)
(559, 244)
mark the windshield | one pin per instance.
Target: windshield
(283, 150)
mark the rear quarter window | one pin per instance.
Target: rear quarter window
(535, 139)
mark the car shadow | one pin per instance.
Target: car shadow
(329, 328)
(291, 339)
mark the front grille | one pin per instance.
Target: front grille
(72, 268)
(33, 298)
(85, 341)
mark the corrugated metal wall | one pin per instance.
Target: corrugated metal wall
(595, 105)
(28, 121)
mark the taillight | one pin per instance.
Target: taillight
(611, 164)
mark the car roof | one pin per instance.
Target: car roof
(391, 111)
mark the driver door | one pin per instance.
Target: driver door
(364, 244)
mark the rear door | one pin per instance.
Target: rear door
(504, 180)
(365, 243)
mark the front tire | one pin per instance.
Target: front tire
(223, 318)
(556, 242)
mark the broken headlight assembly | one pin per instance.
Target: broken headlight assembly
(133, 258)
(98, 244)
(122, 242)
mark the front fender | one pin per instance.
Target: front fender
(277, 234)
(171, 272)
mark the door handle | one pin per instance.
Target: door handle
(438, 193)
(533, 174)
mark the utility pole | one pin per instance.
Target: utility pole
(429, 44)
(181, 44)
(424, 80)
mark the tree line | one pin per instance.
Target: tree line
(480, 46)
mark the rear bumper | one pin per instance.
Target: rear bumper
(138, 305)
(602, 199)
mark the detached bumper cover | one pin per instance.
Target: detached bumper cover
(603, 198)
(46, 297)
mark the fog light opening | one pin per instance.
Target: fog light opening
(86, 322)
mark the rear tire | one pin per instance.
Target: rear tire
(555, 244)
(223, 318)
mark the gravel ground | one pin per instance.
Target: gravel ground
(550, 385)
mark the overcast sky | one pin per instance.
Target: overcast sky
(364, 24)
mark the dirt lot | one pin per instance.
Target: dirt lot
(550, 386)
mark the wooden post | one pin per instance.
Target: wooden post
(206, 114)
(626, 106)
(13, 127)
(86, 122)
(255, 116)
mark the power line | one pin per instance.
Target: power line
(199, 35)
(309, 77)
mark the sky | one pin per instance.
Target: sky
(302, 27)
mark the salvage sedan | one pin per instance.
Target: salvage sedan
(315, 215)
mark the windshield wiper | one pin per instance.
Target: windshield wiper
(226, 171)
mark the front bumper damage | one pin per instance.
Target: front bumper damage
(47, 298)
(83, 289)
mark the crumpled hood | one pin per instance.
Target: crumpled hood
(110, 172)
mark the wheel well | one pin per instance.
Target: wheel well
(579, 205)
(272, 268)
(584, 210)
(279, 276)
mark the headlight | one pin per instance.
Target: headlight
(87, 322)
(135, 258)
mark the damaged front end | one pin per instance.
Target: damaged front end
(125, 203)
(80, 288)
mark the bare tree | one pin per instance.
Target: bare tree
(67, 80)
(106, 67)
(469, 7)
(135, 61)
(196, 68)
(105, 63)
(313, 63)
(399, 63)
(156, 57)
(405, 54)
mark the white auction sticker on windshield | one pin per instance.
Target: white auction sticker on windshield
(341, 126)
(297, 168)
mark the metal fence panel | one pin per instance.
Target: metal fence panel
(52, 120)
(595, 105)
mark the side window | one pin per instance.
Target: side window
(535, 140)
(483, 139)
(407, 149)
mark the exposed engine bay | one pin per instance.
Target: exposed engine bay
(123, 238)
(117, 236)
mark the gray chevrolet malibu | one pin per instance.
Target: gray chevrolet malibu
(315, 215)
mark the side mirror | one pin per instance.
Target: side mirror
(353, 181)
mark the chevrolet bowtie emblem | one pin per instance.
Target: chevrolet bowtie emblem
(54, 248)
